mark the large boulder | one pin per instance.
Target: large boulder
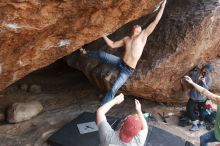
(36, 33)
(187, 35)
(216, 75)
(19, 112)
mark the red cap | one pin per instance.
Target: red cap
(208, 106)
(130, 128)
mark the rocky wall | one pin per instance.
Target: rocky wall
(187, 35)
(36, 33)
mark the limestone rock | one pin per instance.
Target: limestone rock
(24, 87)
(2, 117)
(35, 89)
(216, 75)
(187, 35)
(19, 112)
(0, 69)
(36, 33)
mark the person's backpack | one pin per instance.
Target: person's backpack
(184, 121)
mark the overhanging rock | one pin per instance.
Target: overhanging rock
(187, 35)
(36, 33)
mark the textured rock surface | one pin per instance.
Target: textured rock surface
(35, 89)
(216, 75)
(64, 100)
(35, 33)
(187, 35)
(19, 112)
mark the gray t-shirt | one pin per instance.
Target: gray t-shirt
(109, 137)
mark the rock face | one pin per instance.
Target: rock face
(35, 89)
(187, 35)
(216, 75)
(36, 33)
(19, 112)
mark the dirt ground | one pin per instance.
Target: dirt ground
(66, 93)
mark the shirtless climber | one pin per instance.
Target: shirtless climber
(134, 46)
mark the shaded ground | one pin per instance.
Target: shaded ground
(67, 93)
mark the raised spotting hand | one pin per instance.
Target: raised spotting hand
(137, 105)
(120, 98)
(188, 79)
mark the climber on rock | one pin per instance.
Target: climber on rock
(134, 46)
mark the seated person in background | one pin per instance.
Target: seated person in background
(213, 135)
(201, 77)
(133, 131)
